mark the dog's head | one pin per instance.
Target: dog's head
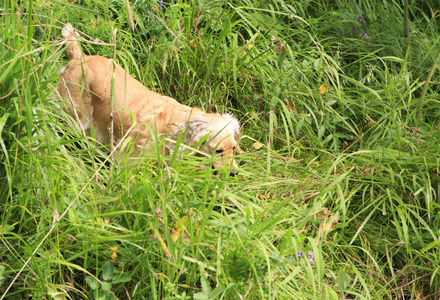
(222, 132)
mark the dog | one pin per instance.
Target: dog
(97, 92)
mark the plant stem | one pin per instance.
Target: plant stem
(406, 24)
(405, 18)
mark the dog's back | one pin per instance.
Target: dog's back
(88, 83)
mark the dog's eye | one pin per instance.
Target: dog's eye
(218, 151)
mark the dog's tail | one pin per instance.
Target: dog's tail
(73, 49)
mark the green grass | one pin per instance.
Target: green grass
(350, 175)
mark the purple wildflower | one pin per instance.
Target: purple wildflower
(300, 254)
(360, 19)
(160, 4)
(365, 36)
(310, 258)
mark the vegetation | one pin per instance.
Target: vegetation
(337, 196)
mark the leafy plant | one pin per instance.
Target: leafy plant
(110, 276)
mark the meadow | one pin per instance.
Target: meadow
(337, 192)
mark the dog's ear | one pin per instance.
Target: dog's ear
(197, 129)
(192, 131)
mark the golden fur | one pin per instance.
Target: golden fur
(86, 88)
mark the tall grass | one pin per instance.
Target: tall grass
(338, 192)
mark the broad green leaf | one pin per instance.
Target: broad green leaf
(108, 271)
(331, 294)
(343, 279)
(121, 278)
(106, 286)
(205, 285)
(201, 296)
(102, 295)
(92, 282)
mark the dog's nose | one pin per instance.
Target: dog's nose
(215, 172)
(233, 173)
